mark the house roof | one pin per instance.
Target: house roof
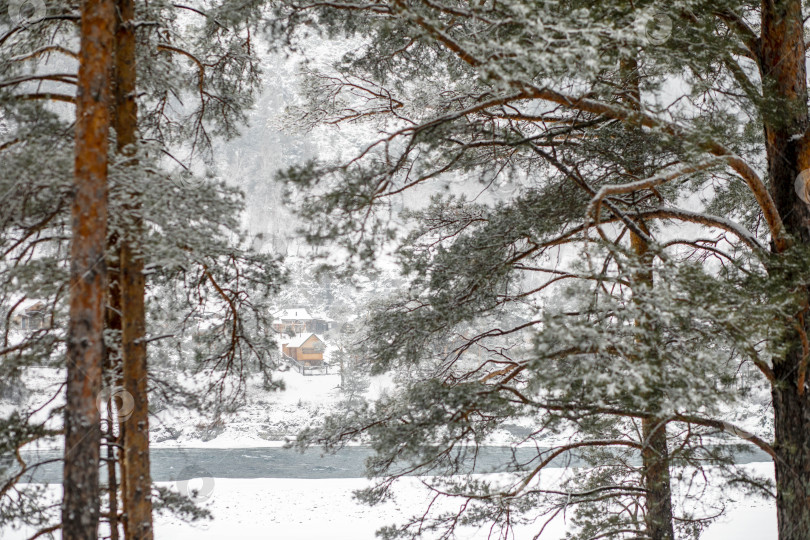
(30, 306)
(29, 303)
(294, 314)
(300, 340)
(299, 314)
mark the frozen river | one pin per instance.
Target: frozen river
(171, 464)
(277, 493)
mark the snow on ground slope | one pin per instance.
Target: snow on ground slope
(312, 509)
(266, 419)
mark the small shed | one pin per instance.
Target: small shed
(306, 349)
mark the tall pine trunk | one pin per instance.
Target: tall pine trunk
(138, 483)
(655, 471)
(782, 65)
(654, 454)
(88, 280)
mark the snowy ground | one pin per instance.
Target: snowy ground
(313, 509)
(267, 417)
(297, 509)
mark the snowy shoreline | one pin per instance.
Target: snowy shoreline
(300, 509)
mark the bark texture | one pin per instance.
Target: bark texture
(85, 347)
(655, 454)
(782, 66)
(138, 484)
(655, 470)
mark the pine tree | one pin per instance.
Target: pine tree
(530, 100)
(85, 340)
(217, 90)
(182, 228)
(36, 225)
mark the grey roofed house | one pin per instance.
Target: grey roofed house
(300, 320)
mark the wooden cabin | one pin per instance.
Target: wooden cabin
(306, 349)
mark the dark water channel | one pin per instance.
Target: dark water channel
(171, 464)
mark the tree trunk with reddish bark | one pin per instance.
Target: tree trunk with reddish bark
(782, 65)
(655, 453)
(136, 454)
(658, 515)
(85, 344)
(138, 484)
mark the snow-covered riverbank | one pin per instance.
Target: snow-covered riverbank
(295, 509)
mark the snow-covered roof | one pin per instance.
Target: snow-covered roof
(29, 305)
(296, 314)
(300, 340)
